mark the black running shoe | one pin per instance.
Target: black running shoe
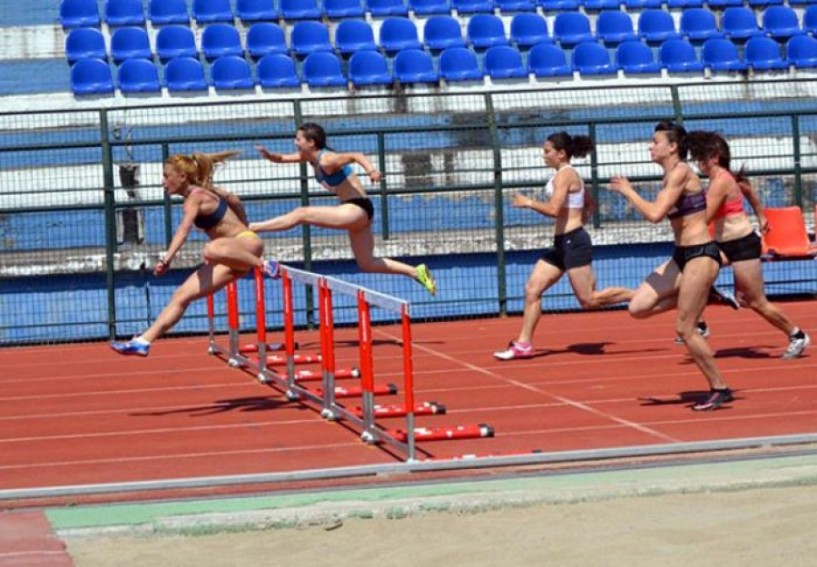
(715, 400)
(718, 296)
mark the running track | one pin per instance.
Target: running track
(80, 415)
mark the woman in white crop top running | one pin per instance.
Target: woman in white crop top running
(571, 205)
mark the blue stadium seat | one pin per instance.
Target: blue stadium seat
(684, 4)
(264, 38)
(801, 50)
(308, 37)
(764, 3)
(184, 74)
(572, 28)
(300, 9)
(473, 6)
(339, 9)
(139, 76)
(678, 56)
(548, 60)
(218, 40)
(613, 27)
(166, 12)
(810, 20)
(130, 43)
(599, 5)
(256, 10)
(124, 13)
(369, 68)
(508, 6)
(656, 26)
(385, 8)
(592, 59)
(211, 11)
(459, 64)
(354, 35)
(322, 69)
(529, 29)
(632, 5)
(91, 76)
(415, 66)
(79, 14)
(723, 4)
(798, 2)
(739, 23)
(504, 62)
(397, 34)
(720, 54)
(486, 30)
(85, 43)
(231, 72)
(429, 7)
(277, 70)
(175, 41)
(780, 22)
(558, 5)
(634, 57)
(442, 32)
(763, 54)
(699, 24)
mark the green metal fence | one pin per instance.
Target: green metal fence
(82, 212)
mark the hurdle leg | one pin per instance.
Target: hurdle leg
(233, 323)
(408, 376)
(366, 368)
(327, 330)
(289, 335)
(211, 325)
(260, 324)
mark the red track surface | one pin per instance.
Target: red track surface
(80, 414)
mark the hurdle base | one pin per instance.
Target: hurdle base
(399, 410)
(357, 391)
(479, 431)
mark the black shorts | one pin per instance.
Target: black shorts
(745, 248)
(683, 254)
(364, 203)
(570, 250)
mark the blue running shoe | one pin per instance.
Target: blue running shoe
(131, 348)
(272, 269)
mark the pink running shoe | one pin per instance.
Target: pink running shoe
(515, 350)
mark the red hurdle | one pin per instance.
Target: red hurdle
(296, 383)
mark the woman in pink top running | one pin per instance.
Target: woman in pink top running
(735, 235)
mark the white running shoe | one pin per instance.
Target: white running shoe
(515, 350)
(796, 347)
(703, 330)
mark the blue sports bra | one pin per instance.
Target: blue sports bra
(688, 204)
(330, 181)
(206, 222)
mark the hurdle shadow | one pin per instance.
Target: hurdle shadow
(249, 404)
(688, 398)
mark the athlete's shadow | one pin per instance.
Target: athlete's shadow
(256, 403)
(688, 398)
(586, 349)
(759, 352)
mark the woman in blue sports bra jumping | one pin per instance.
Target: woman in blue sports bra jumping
(233, 249)
(354, 214)
(570, 204)
(684, 281)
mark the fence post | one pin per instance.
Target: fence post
(499, 217)
(110, 220)
(798, 162)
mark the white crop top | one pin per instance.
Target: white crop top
(575, 200)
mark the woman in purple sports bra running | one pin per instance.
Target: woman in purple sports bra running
(355, 212)
(233, 249)
(684, 281)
